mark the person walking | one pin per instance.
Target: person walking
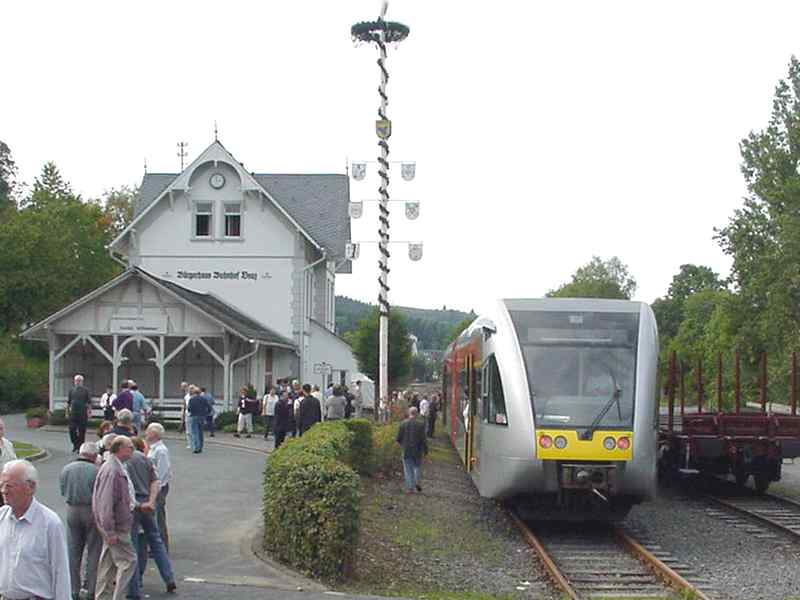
(433, 413)
(411, 436)
(33, 542)
(113, 501)
(268, 410)
(310, 410)
(124, 424)
(159, 455)
(284, 419)
(198, 411)
(212, 411)
(7, 453)
(79, 407)
(145, 486)
(124, 399)
(358, 400)
(139, 407)
(106, 403)
(76, 484)
(424, 406)
(245, 421)
(336, 407)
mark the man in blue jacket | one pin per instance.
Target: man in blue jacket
(198, 411)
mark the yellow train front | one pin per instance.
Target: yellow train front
(553, 402)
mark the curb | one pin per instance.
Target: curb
(39, 456)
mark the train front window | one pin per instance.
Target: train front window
(581, 367)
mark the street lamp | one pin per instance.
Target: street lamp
(380, 33)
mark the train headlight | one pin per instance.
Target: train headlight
(623, 443)
(560, 442)
(545, 441)
(609, 443)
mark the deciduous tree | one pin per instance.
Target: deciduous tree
(365, 346)
(598, 279)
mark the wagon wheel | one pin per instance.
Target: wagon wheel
(761, 482)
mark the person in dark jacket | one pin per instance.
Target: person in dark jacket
(198, 411)
(411, 436)
(310, 411)
(284, 418)
(433, 412)
(79, 406)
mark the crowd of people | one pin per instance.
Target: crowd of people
(115, 492)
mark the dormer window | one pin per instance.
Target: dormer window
(233, 220)
(203, 212)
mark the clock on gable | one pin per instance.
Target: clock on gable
(217, 180)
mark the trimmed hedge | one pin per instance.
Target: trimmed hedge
(312, 501)
(386, 451)
(362, 455)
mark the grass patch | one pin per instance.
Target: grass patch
(24, 450)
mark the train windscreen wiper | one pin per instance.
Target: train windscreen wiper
(589, 432)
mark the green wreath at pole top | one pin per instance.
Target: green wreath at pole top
(370, 31)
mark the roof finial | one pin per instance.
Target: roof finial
(347, 166)
(145, 165)
(216, 132)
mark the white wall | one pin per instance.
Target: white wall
(326, 347)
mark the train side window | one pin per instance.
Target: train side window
(496, 401)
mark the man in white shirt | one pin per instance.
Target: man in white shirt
(33, 542)
(424, 406)
(159, 455)
(185, 413)
(107, 403)
(268, 407)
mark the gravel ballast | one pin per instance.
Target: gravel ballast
(742, 562)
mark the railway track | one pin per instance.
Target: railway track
(603, 561)
(778, 513)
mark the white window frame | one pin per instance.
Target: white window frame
(196, 213)
(239, 213)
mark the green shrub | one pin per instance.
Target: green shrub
(386, 451)
(57, 417)
(331, 439)
(23, 380)
(36, 412)
(361, 446)
(223, 419)
(311, 510)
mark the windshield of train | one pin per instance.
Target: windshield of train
(581, 367)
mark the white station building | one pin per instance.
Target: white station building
(229, 280)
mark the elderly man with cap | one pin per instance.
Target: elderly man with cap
(113, 502)
(33, 543)
(77, 483)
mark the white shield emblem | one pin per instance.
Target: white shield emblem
(408, 170)
(415, 251)
(412, 210)
(383, 127)
(351, 251)
(359, 171)
(356, 209)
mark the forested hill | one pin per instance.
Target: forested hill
(432, 327)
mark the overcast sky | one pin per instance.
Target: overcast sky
(543, 133)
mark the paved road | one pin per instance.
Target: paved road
(213, 511)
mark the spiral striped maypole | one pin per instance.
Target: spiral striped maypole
(382, 32)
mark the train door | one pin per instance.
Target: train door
(470, 409)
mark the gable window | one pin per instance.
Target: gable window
(202, 219)
(233, 220)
